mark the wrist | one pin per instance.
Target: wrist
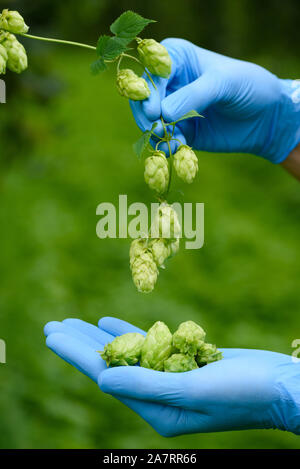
(287, 413)
(284, 135)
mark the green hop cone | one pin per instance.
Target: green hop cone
(3, 59)
(160, 250)
(189, 338)
(132, 86)
(166, 223)
(174, 247)
(123, 350)
(144, 272)
(16, 54)
(208, 353)
(157, 347)
(137, 247)
(13, 22)
(179, 363)
(155, 57)
(186, 163)
(157, 172)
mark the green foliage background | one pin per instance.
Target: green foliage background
(66, 145)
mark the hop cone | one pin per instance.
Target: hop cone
(137, 247)
(155, 57)
(132, 86)
(3, 59)
(189, 338)
(208, 353)
(16, 54)
(157, 172)
(157, 347)
(179, 362)
(144, 272)
(166, 223)
(123, 350)
(13, 22)
(186, 163)
(161, 250)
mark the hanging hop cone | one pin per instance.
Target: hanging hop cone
(155, 57)
(144, 272)
(166, 224)
(3, 59)
(157, 172)
(132, 86)
(16, 54)
(161, 250)
(186, 163)
(13, 22)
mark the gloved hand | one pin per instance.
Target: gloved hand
(247, 389)
(247, 109)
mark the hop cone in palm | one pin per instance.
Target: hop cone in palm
(157, 347)
(157, 172)
(208, 353)
(189, 338)
(13, 22)
(144, 272)
(123, 350)
(16, 54)
(132, 86)
(155, 57)
(178, 363)
(186, 163)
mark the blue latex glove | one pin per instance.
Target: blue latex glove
(247, 389)
(247, 109)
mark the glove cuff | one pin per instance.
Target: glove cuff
(284, 133)
(287, 414)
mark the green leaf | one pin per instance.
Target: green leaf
(109, 48)
(98, 66)
(188, 115)
(143, 142)
(129, 25)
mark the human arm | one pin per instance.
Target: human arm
(247, 109)
(292, 163)
(247, 389)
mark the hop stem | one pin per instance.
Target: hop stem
(59, 41)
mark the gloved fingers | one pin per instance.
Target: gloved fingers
(151, 107)
(86, 333)
(144, 384)
(115, 326)
(197, 95)
(83, 357)
(165, 148)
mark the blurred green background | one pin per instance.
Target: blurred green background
(66, 145)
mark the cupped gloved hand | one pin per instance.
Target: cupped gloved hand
(247, 109)
(247, 389)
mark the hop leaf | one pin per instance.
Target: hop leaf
(157, 172)
(13, 22)
(16, 54)
(123, 350)
(189, 338)
(129, 25)
(155, 57)
(132, 86)
(179, 363)
(157, 347)
(186, 163)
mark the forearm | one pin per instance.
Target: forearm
(292, 163)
